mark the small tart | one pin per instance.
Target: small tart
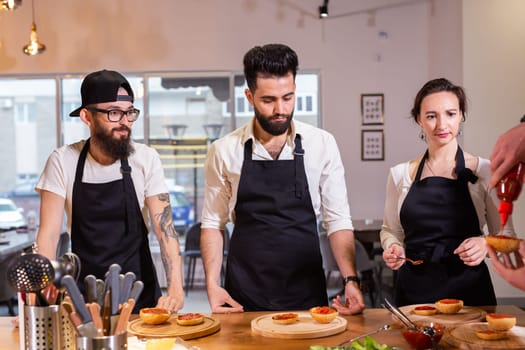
(425, 310)
(323, 314)
(190, 319)
(500, 322)
(287, 318)
(489, 334)
(154, 315)
(449, 306)
(503, 243)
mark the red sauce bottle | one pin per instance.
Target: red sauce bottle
(509, 188)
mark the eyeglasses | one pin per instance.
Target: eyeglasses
(116, 115)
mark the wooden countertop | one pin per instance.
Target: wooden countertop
(235, 332)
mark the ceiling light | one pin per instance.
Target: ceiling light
(323, 9)
(10, 5)
(34, 47)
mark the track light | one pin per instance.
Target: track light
(323, 9)
(10, 4)
(33, 47)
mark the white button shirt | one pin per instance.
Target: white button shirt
(323, 166)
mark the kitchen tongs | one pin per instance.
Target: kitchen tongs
(429, 331)
(399, 315)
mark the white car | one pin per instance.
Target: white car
(10, 215)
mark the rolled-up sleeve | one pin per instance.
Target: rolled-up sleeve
(334, 205)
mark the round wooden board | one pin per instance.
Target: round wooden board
(305, 328)
(170, 329)
(465, 315)
(464, 337)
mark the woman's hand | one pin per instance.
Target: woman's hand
(472, 251)
(391, 256)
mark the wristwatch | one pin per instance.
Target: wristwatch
(351, 278)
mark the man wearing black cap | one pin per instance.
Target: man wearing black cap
(107, 185)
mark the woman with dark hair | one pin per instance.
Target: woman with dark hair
(437, 207)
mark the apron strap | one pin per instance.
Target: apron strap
(81, 161)
(129, 193)
(462, 172)
(300, 176)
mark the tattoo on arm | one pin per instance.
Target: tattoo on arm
(165, 218)
(166, 262)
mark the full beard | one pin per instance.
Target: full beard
(270, 126)
(113, 147)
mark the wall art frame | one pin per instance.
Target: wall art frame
(372, 109)
(372, 145)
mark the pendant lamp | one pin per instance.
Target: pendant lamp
(34, 47)
(10, 5)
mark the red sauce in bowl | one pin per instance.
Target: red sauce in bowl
(420, 341)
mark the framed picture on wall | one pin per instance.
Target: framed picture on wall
(372, 109)
(372, 145)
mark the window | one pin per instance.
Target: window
(181, 114)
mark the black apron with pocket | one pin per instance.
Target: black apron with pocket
(274, 260)
(437, 215)
(107, 227)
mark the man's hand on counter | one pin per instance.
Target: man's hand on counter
(221, 302)
(171, 303)
(354, 302)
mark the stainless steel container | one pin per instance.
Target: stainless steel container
(113, 342)
(42, 327)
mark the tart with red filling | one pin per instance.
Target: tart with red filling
(190, 319)
(323, 314)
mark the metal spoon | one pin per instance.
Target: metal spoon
(413, 262)
(430, 332)
(380, 329)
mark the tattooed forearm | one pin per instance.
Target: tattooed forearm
(166, 262)
(165, 218)
(165, 221)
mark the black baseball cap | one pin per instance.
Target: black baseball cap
(102, 86)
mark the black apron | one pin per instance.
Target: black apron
(437, 215)
(107, 227)
(274, 260)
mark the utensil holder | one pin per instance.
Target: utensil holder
(42, 327)
(112, 342)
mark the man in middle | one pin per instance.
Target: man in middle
(274, 177)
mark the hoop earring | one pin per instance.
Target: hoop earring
(460, 132)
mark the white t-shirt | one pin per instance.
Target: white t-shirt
(59, 174)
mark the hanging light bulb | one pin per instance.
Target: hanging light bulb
(10, 5)
(33, 47)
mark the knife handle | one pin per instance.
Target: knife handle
(106, 314)
(114, 285)
(136, 290)
(94, 309)
(76, 298)
(90, 281)
(122, 324)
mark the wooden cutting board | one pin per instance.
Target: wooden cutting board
(305, 328)
(465, 315)
(464, 337)
(170, 328)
